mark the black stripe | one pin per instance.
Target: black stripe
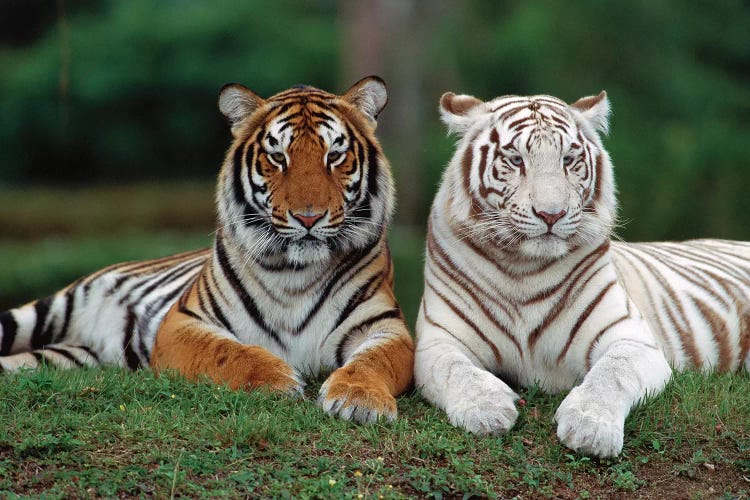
(40, 359)
(239, 190)
(353, 260)
(41, 336)
(247, 301)
(90, 352)
(173, 275)
(151, 311)
(130, 356)
(372, 169)
(389, 314)
(69, 296)
(217, 311)
(356, 163)
(283, 266)
(65, 354)
(118, 283)
(260, 188)
(355, 300)
(188, 312)
(10, 327)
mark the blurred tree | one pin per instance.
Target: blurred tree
(388, 38)
(143, 81)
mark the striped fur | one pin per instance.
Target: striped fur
(299, 278)
(523, 286)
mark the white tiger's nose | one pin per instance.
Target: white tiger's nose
(549, 218)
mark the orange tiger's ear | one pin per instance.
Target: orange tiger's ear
(238, 102)
(369, 95)
(595, 109)
(455, 111)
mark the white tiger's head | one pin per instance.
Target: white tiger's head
(530, 174)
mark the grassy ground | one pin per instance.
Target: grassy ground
(95, 433)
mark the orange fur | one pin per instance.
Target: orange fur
(186, 345)
(373, 378)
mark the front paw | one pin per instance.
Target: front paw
(485, 406)
(351, 396)
(588, 424)
(257, 368)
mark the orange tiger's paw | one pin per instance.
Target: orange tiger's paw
(257, 368)
(353, 396)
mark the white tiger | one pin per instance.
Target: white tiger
(523, 286)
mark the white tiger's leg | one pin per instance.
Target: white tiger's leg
(591, 418)
(473, 398)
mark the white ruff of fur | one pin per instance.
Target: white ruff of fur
(522, 283)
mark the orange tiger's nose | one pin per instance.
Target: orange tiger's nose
(308, 220)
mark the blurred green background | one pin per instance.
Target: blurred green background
(110, 140)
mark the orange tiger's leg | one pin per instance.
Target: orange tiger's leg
(194, 348)
(364, 389)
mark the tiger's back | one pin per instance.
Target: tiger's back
(108, 317)
(695, 297)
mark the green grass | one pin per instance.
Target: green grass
(110, 433)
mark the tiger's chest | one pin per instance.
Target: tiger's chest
(297, 318)
(552, 328)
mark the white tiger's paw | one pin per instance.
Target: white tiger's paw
(486, 406)
(590, 425)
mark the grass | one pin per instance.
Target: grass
(94, 433)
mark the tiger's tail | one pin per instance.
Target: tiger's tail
(38, 333)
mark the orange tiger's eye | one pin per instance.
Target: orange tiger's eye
(278, 158)
(333, 156)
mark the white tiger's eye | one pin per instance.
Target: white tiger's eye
(568, 160)
(516, 160)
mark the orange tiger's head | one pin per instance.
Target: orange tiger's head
(530, 174)
(305, 176)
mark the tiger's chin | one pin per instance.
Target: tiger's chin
(305, 252)
(545, 247)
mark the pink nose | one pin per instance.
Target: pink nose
(549, 218)
(308, 220)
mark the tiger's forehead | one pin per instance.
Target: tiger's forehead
(304, 112)
(532, 115)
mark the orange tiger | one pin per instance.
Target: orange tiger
(299, 278)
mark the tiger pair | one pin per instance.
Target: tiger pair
(521, 280)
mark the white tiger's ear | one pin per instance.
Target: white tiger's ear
(456, 111)
(369, 95)
(596, 109)
(238, 102)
